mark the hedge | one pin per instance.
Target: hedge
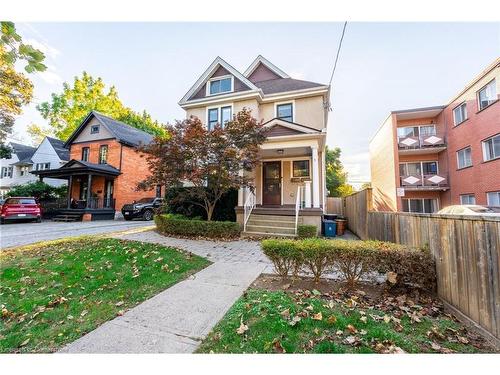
(353, 260)
(307, 231)
(178, 225)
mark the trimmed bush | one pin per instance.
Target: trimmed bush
(178, 225)
(353, 260)
(307, 231)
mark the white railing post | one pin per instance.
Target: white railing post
(298, 204)
(248, 207)
(307, 194)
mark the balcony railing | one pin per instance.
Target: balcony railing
(101, 203)
(424, 180)
(421, 141)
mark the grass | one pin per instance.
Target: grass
(262, 322)
(53, 293)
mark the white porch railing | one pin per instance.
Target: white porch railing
(248, 207)
(298, 205)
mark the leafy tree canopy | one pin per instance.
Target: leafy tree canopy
(336, 177)
(66, 110)
(39, 190)
(210, 161)
(16, 90)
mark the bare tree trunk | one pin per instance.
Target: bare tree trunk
(210, 211)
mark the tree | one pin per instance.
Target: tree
(336, 177)
(66, 110)
(16, 90)
(209, 161)
(39, 190)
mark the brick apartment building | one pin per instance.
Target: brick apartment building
(424, 159)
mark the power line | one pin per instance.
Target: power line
(338, 53)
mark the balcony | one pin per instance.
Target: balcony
(423, 182)
(421, 144)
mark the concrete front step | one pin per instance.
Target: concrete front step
(275, 229)
(290, 219)
(271, 223)
(262, 234)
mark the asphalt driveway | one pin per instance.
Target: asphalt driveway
(17, 234)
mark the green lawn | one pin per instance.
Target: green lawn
(293, 322)
(52, 294)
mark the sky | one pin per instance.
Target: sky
(382, 66)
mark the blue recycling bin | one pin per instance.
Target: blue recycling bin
(330, 228)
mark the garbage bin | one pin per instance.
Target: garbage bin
(330, 228)
(326, 217)
(341, 226)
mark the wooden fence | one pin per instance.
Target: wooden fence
(334, 206)
(466, 250)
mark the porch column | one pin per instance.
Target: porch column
(70, 188)
(241, 192)
(315, 177)
(307, 193)
(89, 189)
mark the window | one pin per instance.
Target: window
(285, 111)
(408, 132)
(491, 148)
(300, 168)
(460, 114)
(464, 158)
(218, 86)
(85, 153)
(467, 199)
(6, 172)
(23, 171)
(219, 115)
(487, 95)
(94, 129)
(429, 167)
(103, 154)
(42, 166)
(422, 206)
(493, 198)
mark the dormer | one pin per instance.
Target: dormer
(262, 69)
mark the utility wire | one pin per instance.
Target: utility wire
(338, 53)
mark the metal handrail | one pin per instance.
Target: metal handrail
(248, 207)
(298, 202)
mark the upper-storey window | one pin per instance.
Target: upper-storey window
(487, 95)
(103, 154)
(94, 129)
(42, 166)
(6, 172)
(464, 158)
(220, 85)
(285, 111)
(460, 114)
(85, 153)
(491, 148)
(219, 115)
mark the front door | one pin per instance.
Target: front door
(271, 183)
(108, 194)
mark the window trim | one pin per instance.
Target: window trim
(455, 123)
(101, 147)
(483, 145)
(479, 109)
(308, 168)
(488, 198)
(219, 78)
(421, 199)
(458, 160)
(276, 104)
(83, 153)
(95, 126)
(467, 195)
(219, 113)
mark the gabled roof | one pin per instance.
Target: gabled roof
(124, 133)
(23, 152)
(208, 73)
(298, 128)
(274, 86)
(59, 148)
(262, 60)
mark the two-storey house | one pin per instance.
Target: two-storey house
(104, 169)
(289, 181)
(50, 153)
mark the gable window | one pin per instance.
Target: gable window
(221, 85)
(103, 154)
(464, 158)
(493, 198)
(85, 153)
(487, 95)
(467, 199)
(94, 129)
(491, 148)
(285, 111)
(460, 114)
(300, 168)
(42, 166)
(220, 115)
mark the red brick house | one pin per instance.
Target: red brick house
(103, 156)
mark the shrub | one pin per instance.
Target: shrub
(316, 255)
(172, 224)
(39, 190)
(307, 231)
(284, 255)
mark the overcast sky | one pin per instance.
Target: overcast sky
(382, 66)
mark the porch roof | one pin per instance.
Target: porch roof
(74, 167)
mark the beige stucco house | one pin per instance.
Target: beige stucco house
(290, 179)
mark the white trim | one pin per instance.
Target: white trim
(276, 104)
(455, 123)
(214, 99)
(295, 93)
(281, 182)
(219, 78)
(421, 199)
(286, 124)
(219, 112)
(261, 59)
(209, 71)
(306, 158)
(483, 144)
(458, 158)
(478, 100)
(488, 197)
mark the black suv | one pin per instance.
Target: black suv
(144, 208)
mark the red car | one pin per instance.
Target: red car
(20, 208)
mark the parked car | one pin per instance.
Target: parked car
(143, 208)
(20, 208)
(469, 209)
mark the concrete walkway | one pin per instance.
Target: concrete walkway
(177, 319)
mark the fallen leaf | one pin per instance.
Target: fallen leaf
(363, 319)
(242, 328)
(392, 277)
(332, 319)
(84, 312)
(316, 292)
(351, 328)
(435, 346)
(294, 320)
(277, 347)
(317, 316)
(285, 313)
(119, 303)
(387, 318)
(25, 342)
(339, 333)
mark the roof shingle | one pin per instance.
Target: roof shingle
(274, 86)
